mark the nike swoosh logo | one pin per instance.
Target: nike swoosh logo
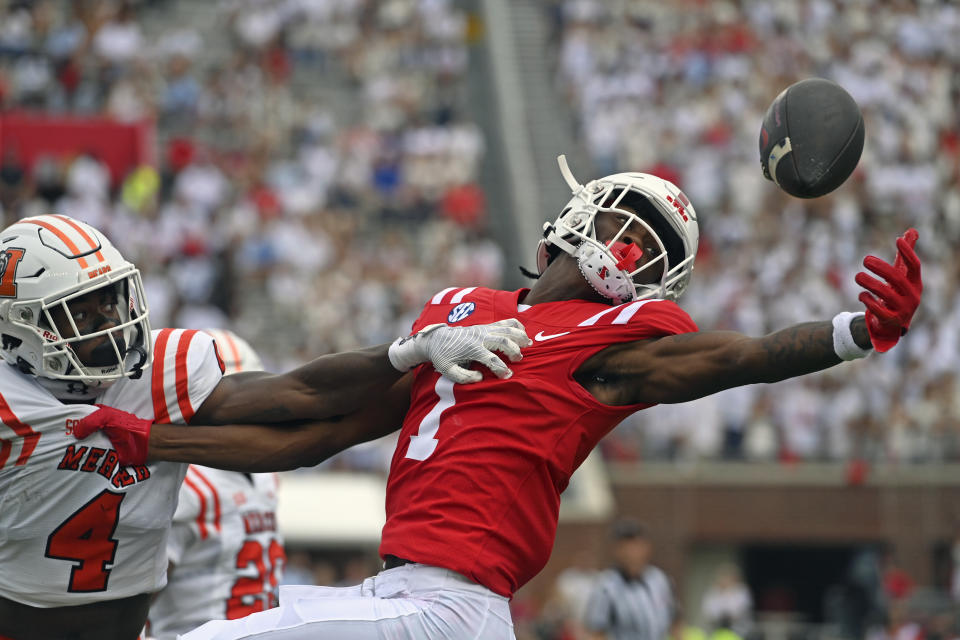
(540, 337)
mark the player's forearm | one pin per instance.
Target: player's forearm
(327, 386)
(688, 366)
(341, 383)
(258, 448)
(798, 350)
(248, 448)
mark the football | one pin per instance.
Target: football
(811, 138)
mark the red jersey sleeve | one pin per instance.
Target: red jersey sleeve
(663, 318)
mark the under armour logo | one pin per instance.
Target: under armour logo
(75, 386)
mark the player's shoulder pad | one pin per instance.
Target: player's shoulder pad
(654, 315)
(191, 346)
(453, 295)
(186, 367)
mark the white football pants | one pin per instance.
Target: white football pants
(410, 602)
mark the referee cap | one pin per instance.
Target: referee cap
(628, 528)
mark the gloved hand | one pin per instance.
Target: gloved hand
(892, 304)
(128, 434)
(451, 347)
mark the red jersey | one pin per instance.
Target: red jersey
(476, 478)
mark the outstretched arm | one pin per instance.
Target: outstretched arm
(693, 365)
(688, 366)
(250, 448)
(340, 383)
(327, 386)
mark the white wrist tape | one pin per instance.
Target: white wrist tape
(405, 353)
(844, 345)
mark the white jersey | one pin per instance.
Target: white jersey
(75, 526)
(225, 548)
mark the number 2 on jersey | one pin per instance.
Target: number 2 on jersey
(86, 538)
(248, 594)
(425, 442)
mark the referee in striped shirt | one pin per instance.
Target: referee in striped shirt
(634, 599)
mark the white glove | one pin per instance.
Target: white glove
(450, 347)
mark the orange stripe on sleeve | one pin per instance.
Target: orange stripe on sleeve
(30, 437)
(63, 237)
(216, 497)
(83, 234)
(232, 345)
(183, 390)
(160, 413)
(201, 517)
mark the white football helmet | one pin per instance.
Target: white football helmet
(664, 211)
(45, 263)
(236, 353)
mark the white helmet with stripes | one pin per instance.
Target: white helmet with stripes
(45, 263)
(237, 354)
(656, 204)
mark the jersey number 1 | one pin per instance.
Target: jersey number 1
(425, 442)
(86, 538)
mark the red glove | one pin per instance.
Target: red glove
(892, 305)
(128, 434)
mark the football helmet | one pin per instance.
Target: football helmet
(236, 353)
(48, 261)
(610, 267)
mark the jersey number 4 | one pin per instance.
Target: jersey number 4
(86, 538)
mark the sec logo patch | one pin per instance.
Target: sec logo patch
(461, 311)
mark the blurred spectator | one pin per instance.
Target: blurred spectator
(899, 625)
(727, 604)
(897, 584)
(865, 603)
(566, 607)
(13, 180)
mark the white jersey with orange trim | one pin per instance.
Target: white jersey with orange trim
(226, 552)
(75, 526)
(236, 352)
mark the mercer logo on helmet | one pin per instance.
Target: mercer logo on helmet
(99, 272)
(9, 260)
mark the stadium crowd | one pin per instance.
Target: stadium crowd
(263, 183)
(691, 80)
(271, 211)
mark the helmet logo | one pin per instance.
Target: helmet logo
(603, 273)
(9, 260)
(99, 271)
(75, 386)
(461, 311)
(679, 207)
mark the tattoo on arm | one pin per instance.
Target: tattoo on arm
(797, 350)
